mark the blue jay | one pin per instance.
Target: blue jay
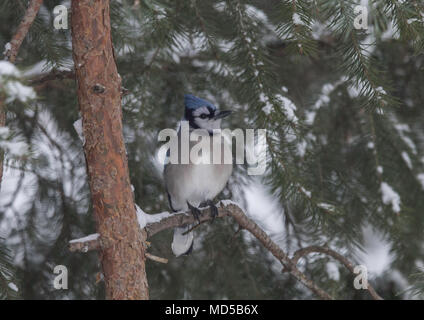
(192, 185)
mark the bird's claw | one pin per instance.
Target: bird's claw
(213, 209)
(194, 211)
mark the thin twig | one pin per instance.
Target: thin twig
(23, 28)
(192, 228)
(155, 258)
(52, 75)
(318, 249)
(41, 80)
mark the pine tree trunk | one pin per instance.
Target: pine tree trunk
(122, 251)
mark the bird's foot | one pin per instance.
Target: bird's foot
(214, 209)
(194, 211)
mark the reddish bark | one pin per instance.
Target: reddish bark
(122, 242)
(21, 32)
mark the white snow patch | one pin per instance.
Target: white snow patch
(288, 107)
(402, 129)
(376, 255)
(227, 202)
(185, 46)
(14, 148)
(301, 148)
(90, 237)
(420, 178)
(319, 30)
(353, 91)
(8, 69)
(407, 159)
(259, 15)
(306, 192)
(390, 197)
(78, 129)
(412, 20)
(43, 67)
(145, 219)
(333, 271)
(268, 106)
(264, 209)
(326, 206)
(36, 69)
(391, 33)
(323, 99)
(381, 91)
(12, 145)
(4, 133)
(219, 6)
(7, 48)
(297, 20)
(15, 90)
(13, 286)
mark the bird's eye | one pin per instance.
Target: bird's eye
(203, 116)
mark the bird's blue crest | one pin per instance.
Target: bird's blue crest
(193, 102)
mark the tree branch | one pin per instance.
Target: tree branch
(23, 28)
(92, 242)
(85, 244)
(156, 258)
(40, 81)
(225, 208)
(52, 75)
(317, 249)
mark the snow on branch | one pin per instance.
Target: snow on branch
(158, 222)
(78, 129)
(152, 223)
(85, 244)
(155, 223)
(390, 197)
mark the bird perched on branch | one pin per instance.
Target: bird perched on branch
(195, 183)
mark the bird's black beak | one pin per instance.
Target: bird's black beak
(222, 114)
